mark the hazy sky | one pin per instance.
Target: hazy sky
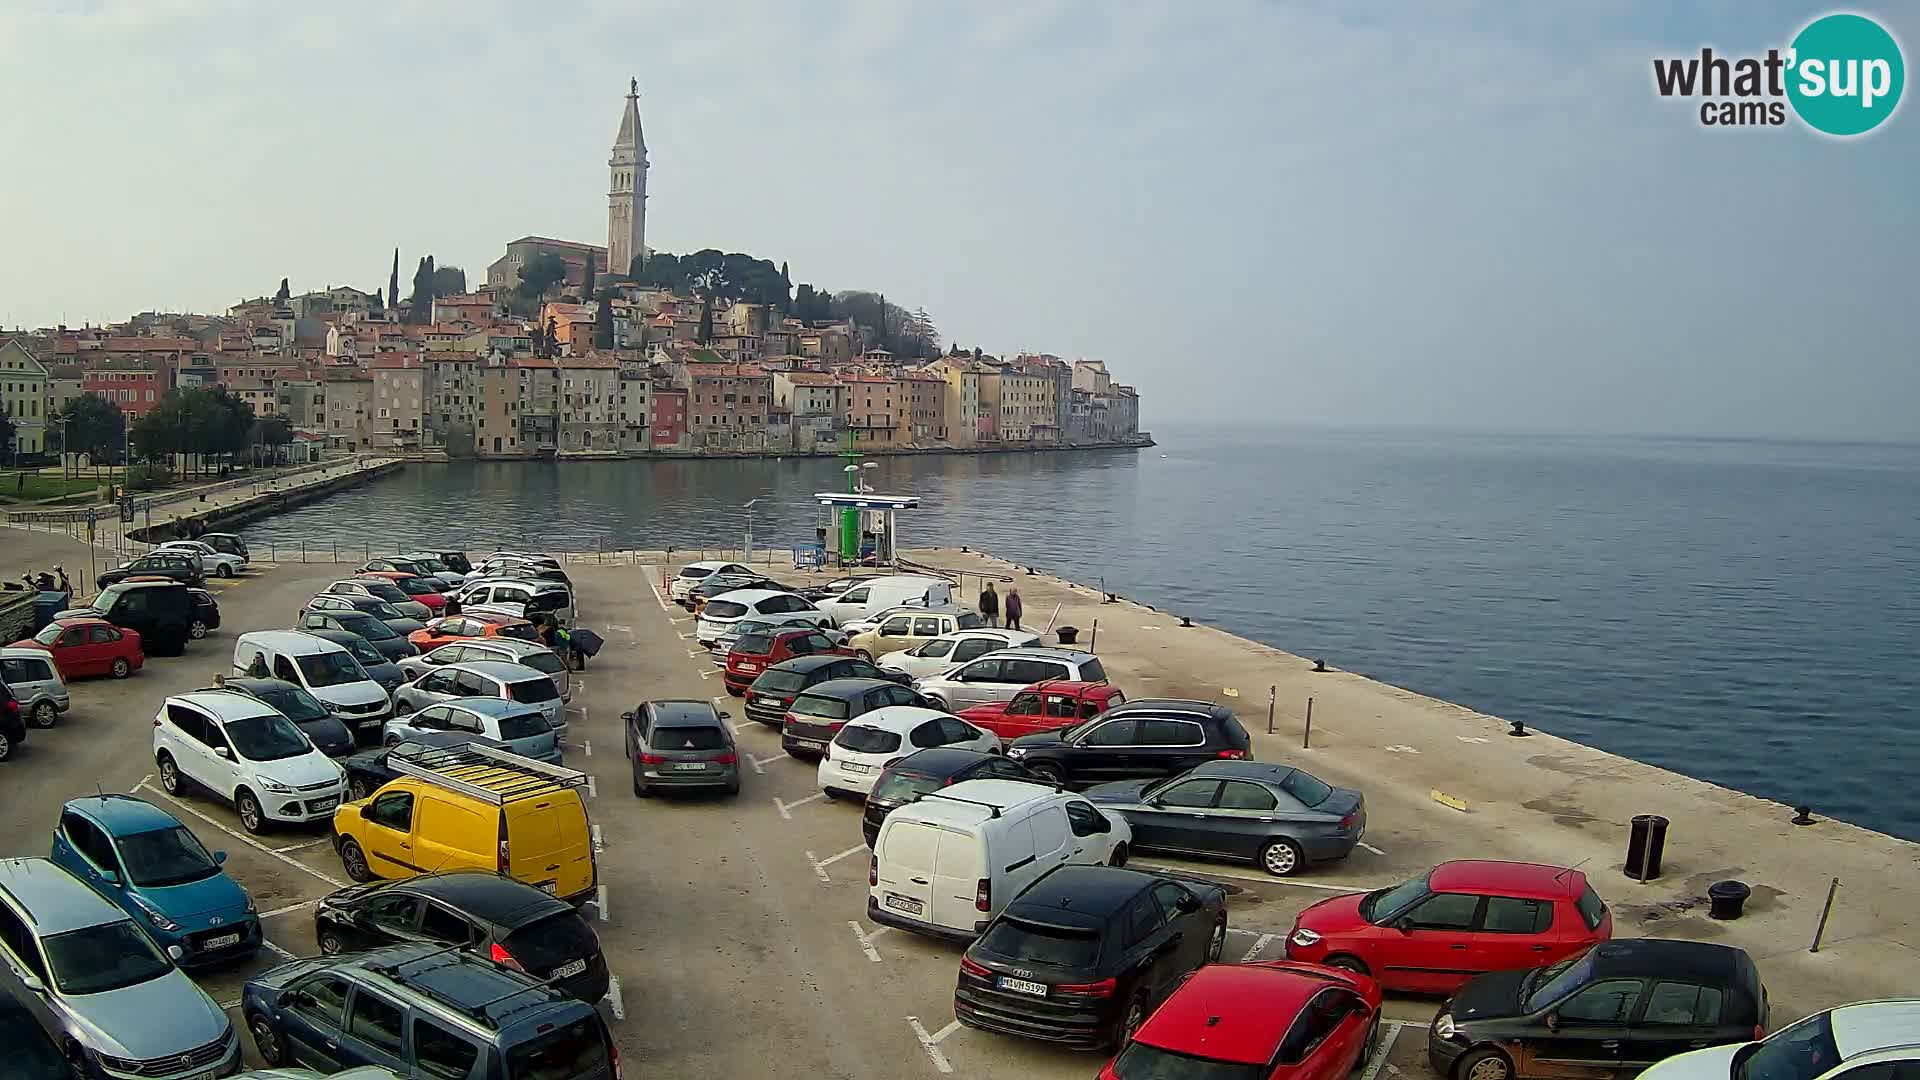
(1448, 214)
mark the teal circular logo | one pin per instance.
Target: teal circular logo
(1846, 74)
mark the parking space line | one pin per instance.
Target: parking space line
(1371, 848)
(249, 841)
(618, 629)
(1204, 874)
(737, 726)
(708, 674)
(600, 902)
(866, 941)
(598, 846)
(820, 865)
(614, 1002)
(284, 954)
(760, 763)
(586, 745)
(931, 1043)
(785, 807)
(1386, 1046)
(658, 599)
(1259, 943)
(686, 637)
(288, 909)
(302, 847)
(593, 790)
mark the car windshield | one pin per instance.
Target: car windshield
(365, 625)
(432, 566)
(295, 704)
(579, 1049)
(905, 784)
(754, 644)
(107, 597)
(1800, 1052)
(969, 621)
(532, 691)
(521, 631)
(1383, 904)
(825, 707)
(1142, 1062)
(267, 738)
(694, 572)
(362, 651)
(331, 669)
(387, 591)
(723, 609)
(776, 681)
(1550, 984)
(165, 857)
(1309, 790)
(380, 609)
(701, 737)
(862, 739)
(544, 662)
(415, 586)
(97, 959)
(1041, 944)
(524, 726)
(50, 634)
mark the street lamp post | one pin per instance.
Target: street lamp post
(748, 549)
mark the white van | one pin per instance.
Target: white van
(946, 865)
(328, 672)
(878, 594)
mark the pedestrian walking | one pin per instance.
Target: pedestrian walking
(990, 605)
(1014, 607)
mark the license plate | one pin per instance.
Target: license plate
(855, 767)
(906, 904)
(551, 888)
(371, 723)
(324, 804)
(568, 970)
(223, 941)
(811, 744)
(1023, 986)
(689, 766)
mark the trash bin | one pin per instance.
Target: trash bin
(1646, 842)
(1725, 899)
(1068, 634)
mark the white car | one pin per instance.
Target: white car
(998, 676)
(1870, 1040)
(949, 651)
(693, 573)
(242, 750)
(213, 562)
(721, 612)
(879, 738)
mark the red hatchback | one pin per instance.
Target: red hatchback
(1257, 1022)
(89, 647)
(1044, 706)
(1458, 920)
(755, 653)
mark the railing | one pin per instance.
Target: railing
(271, 482)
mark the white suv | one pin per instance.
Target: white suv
(213, 562)
(694, 573)
(998, 676)
(239, 748)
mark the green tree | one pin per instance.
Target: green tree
(603, 321)
(586, 287)
(786, 289)
(449, 281)
(393, 282)
(553, 337)
(540, 273)
(93, 427)
(273, 433)
(7, 433)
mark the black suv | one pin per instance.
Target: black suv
(512, 923)
(162, 612)
(928, 770)
(329, 735)
(182, 568)
(1140, 740)
(821, 710)
(424, 1010)
(1086, 952)
(776, 687)
(393, 646)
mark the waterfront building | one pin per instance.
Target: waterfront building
(876, 408)
(497, 420)
(927, 408)
(23, 396)
(589, 404)
(727, 404)
(398, 407)
(134, 383)
(669, 419)
(349, 392)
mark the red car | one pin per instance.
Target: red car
(89, 647)
(1044, 706)
(418, 589)
(1257, 1022)
(1458, 920)
(755, 653)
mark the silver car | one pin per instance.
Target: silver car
(762, 624)
(485, 678)
(681, 744)
(511, 650)
(382, 589)
(89, 974)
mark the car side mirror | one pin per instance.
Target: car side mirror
(176, 953)
(628, 716)
(219, 858)
(32, 983)
(223, 752)
(110, 877)
(1404, 924)
(1188, 903)
(724, 714)
(1552, 1021)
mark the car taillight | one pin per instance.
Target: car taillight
(725, 759)
(652, 759)
(1759, 1032)
(873, 869)
(1348, 821)
(978, 971)
(836, 725)
(504, 958)
(983, 895)
(1103, 988)
(1236, 755)
(613, 1058)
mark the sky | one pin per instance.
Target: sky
(1445, 214)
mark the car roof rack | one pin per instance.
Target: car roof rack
(458, 768)
(396, 971)
(992, 809)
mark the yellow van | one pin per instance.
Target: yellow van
(472, 807)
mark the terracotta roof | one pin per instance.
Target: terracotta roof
(591, 361)
(549, 241)
(701, 370)
(533, 362)
(394, 361)
(811, 378)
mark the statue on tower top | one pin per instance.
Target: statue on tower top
(633, 87)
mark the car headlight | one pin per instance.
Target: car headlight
(1304, 937)
(1443, 1025)
(274, 787)
(249, 908)
(155, 916)
(1016, 751)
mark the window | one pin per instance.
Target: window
(1592, 910)
(376, 1021)
(971, 648)
(1143, 918)
(1315, 1022)
(1446, 911)
(89, 841)
(394, 912)
(1028, 672)
(323, 999)
(955, 731)
(24, 671)
(190, 723)
(442, 925)
(1114, 733)
(899, 625)
(1508, 915)
(981, 671)
(1155, 732)
(1308, 789)
(927, 734)
(1607, 1002)
(1193, 794)
(1683, 1003)
(440, 1052)
(925, 627)
(1241, 795)
(1084, 820)
(394, 810)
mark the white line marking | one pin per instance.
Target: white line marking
(784, 807)
(284, 954)
(250, 841)
(587, 745)
(877, 931)
(929, 1044)
(618, 629)
(1400, 748)
(1259, 943)
(143, 782)
(227, 1006)
(600, 901)
(618, 1006)
(593, 791)
(661, 600)
(288, 908)
(737, 726)
(1371, 848)
(760, 763)
(686, 637)
(866, 942)
(820, 865)
(598, 846)
(1386, 1046)
(695, 654)
(708, 674)
(1181, 870)
(302, 847)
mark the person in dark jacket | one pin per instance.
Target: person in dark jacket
(1014, 608)
(990, 605)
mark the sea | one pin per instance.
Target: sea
(1742, 611)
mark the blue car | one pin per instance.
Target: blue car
(140, 857)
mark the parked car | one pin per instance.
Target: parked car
(229, 543)
(694, 573)
(508, 650)
(83, 646)
(421, 1010)
(1085, 954)
(220, 563)
(722, 584)
(939, 655)
(680, 744)
(162, 613)
(473, 807)
(466, 627)
(323, 668)
(311, 715)
(36, 685)
(1460, 919)
(767, 624)
(820, 711)
(728, 608)
(515, 925)
(770, 695)
(394, 646)
(140, 858)
(754, 653)
(1619, 1007)
(485, 678)
(206, 614)
(909, 779)
(998, 676)
(99, 985)
(31, 1055)
(1861, 1040)
(948, 863)
(397, 621)
(13, 726)
(1279, 818)
(835, 586)
(1276, 1020)
(911, 628)
(521, 729)
(891, 590)
(518, 596)
(375, 663)
(1047, 706)
(424, 591)
(1146, 739)
(179, 566)
(243, 751)
(368, 770)
(451, 567)
(523, 565)
(374, 587)
(403, 566)
(865, 746)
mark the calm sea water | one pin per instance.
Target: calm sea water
(1741, 611)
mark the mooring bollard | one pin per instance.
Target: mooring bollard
(1272, 692)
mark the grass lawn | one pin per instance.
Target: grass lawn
(30, 486)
